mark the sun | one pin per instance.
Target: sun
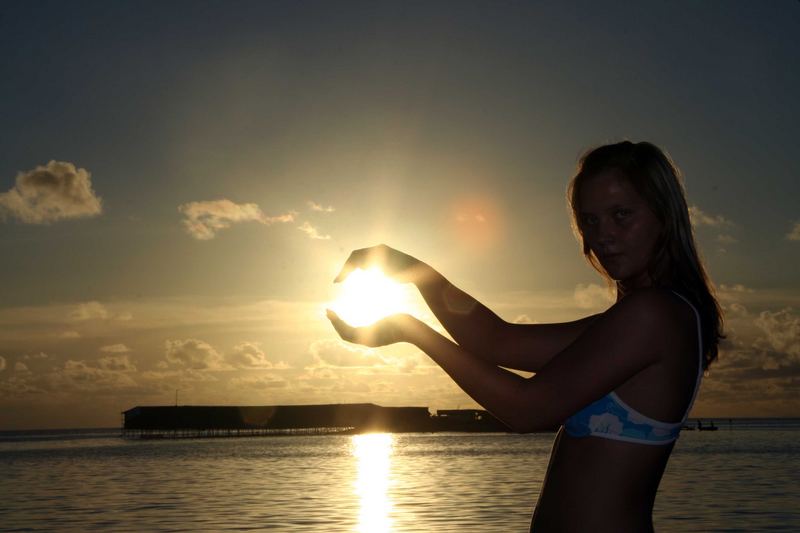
(366, 296)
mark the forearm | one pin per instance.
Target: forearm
(508, 396)
(471, 324)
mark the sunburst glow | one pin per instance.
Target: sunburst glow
(373, 452)
(366, 296)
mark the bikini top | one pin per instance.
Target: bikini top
(611, 418)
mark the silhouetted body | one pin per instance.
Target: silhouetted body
(622, 381)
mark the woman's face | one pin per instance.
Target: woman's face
(619, 227)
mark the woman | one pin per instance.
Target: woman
(621, 382)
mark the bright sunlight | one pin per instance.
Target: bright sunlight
(366, 296)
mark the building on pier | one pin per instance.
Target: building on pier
(232, 421)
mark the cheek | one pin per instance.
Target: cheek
(648, 237)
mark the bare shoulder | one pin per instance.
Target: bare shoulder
(652, 311)
(637, 333)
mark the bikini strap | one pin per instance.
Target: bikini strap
(699, 352)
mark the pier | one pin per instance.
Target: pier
(194, 421)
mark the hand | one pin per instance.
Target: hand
(386, 331)
(393, 263)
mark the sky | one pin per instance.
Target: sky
(181, 181)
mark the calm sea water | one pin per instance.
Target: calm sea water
(740, 478)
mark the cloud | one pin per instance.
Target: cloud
(592, 296)
(701, 218)
(192, 353)
(312, 232)
(204, 219)
(337, 353)
(314, 206)
(52, 192)
(115, 348)
(523, 319)
(261, 382)
(80, 376)
(724, 238)
(40, 355)
(2, 363)
(19, 366)
(794, 234)
(92, 310)
(736, 287)
(250, 355)
(782, 334)
(117, 363)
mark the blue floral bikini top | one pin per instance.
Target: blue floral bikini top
(611, 418)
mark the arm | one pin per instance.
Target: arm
(611, 350)
(471, 324)
(480, 331)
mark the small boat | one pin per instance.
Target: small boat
(709, 427)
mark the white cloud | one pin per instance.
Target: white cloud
(19, 366)
(49, 193)
(2, 363)
(115, 348)
(724, 238)
(593, 296)
(89, 311)
(260, 382)
(736, 287)
(701, 218)
(117, 363)
(782, 333)
(338, 353)
(249, 355)
(80, 376)
(40, 355)
(312, 232)
(192, 353)
(92, 310)
(314, 206)
(523, 319)
(204, 219)
(794, 233)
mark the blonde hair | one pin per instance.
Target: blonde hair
(675, 263)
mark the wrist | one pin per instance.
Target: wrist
(425, 277)
(408, 328)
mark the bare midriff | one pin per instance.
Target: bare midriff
(596, 484)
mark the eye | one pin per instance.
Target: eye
(622, 214)
(588, 220)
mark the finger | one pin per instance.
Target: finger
(345, 330)
(346, 269)
(354, 261)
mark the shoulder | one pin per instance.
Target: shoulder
(654, 311)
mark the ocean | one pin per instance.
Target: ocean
(743, 477)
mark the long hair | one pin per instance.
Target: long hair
(675, 263)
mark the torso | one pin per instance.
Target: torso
(598, 484)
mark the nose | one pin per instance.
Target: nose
(606, 232)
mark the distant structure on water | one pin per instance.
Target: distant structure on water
(192, 421)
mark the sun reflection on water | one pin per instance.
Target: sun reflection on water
(373, 452)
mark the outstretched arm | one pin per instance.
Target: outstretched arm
(480, 331)
(472, 325)
(615, 347)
